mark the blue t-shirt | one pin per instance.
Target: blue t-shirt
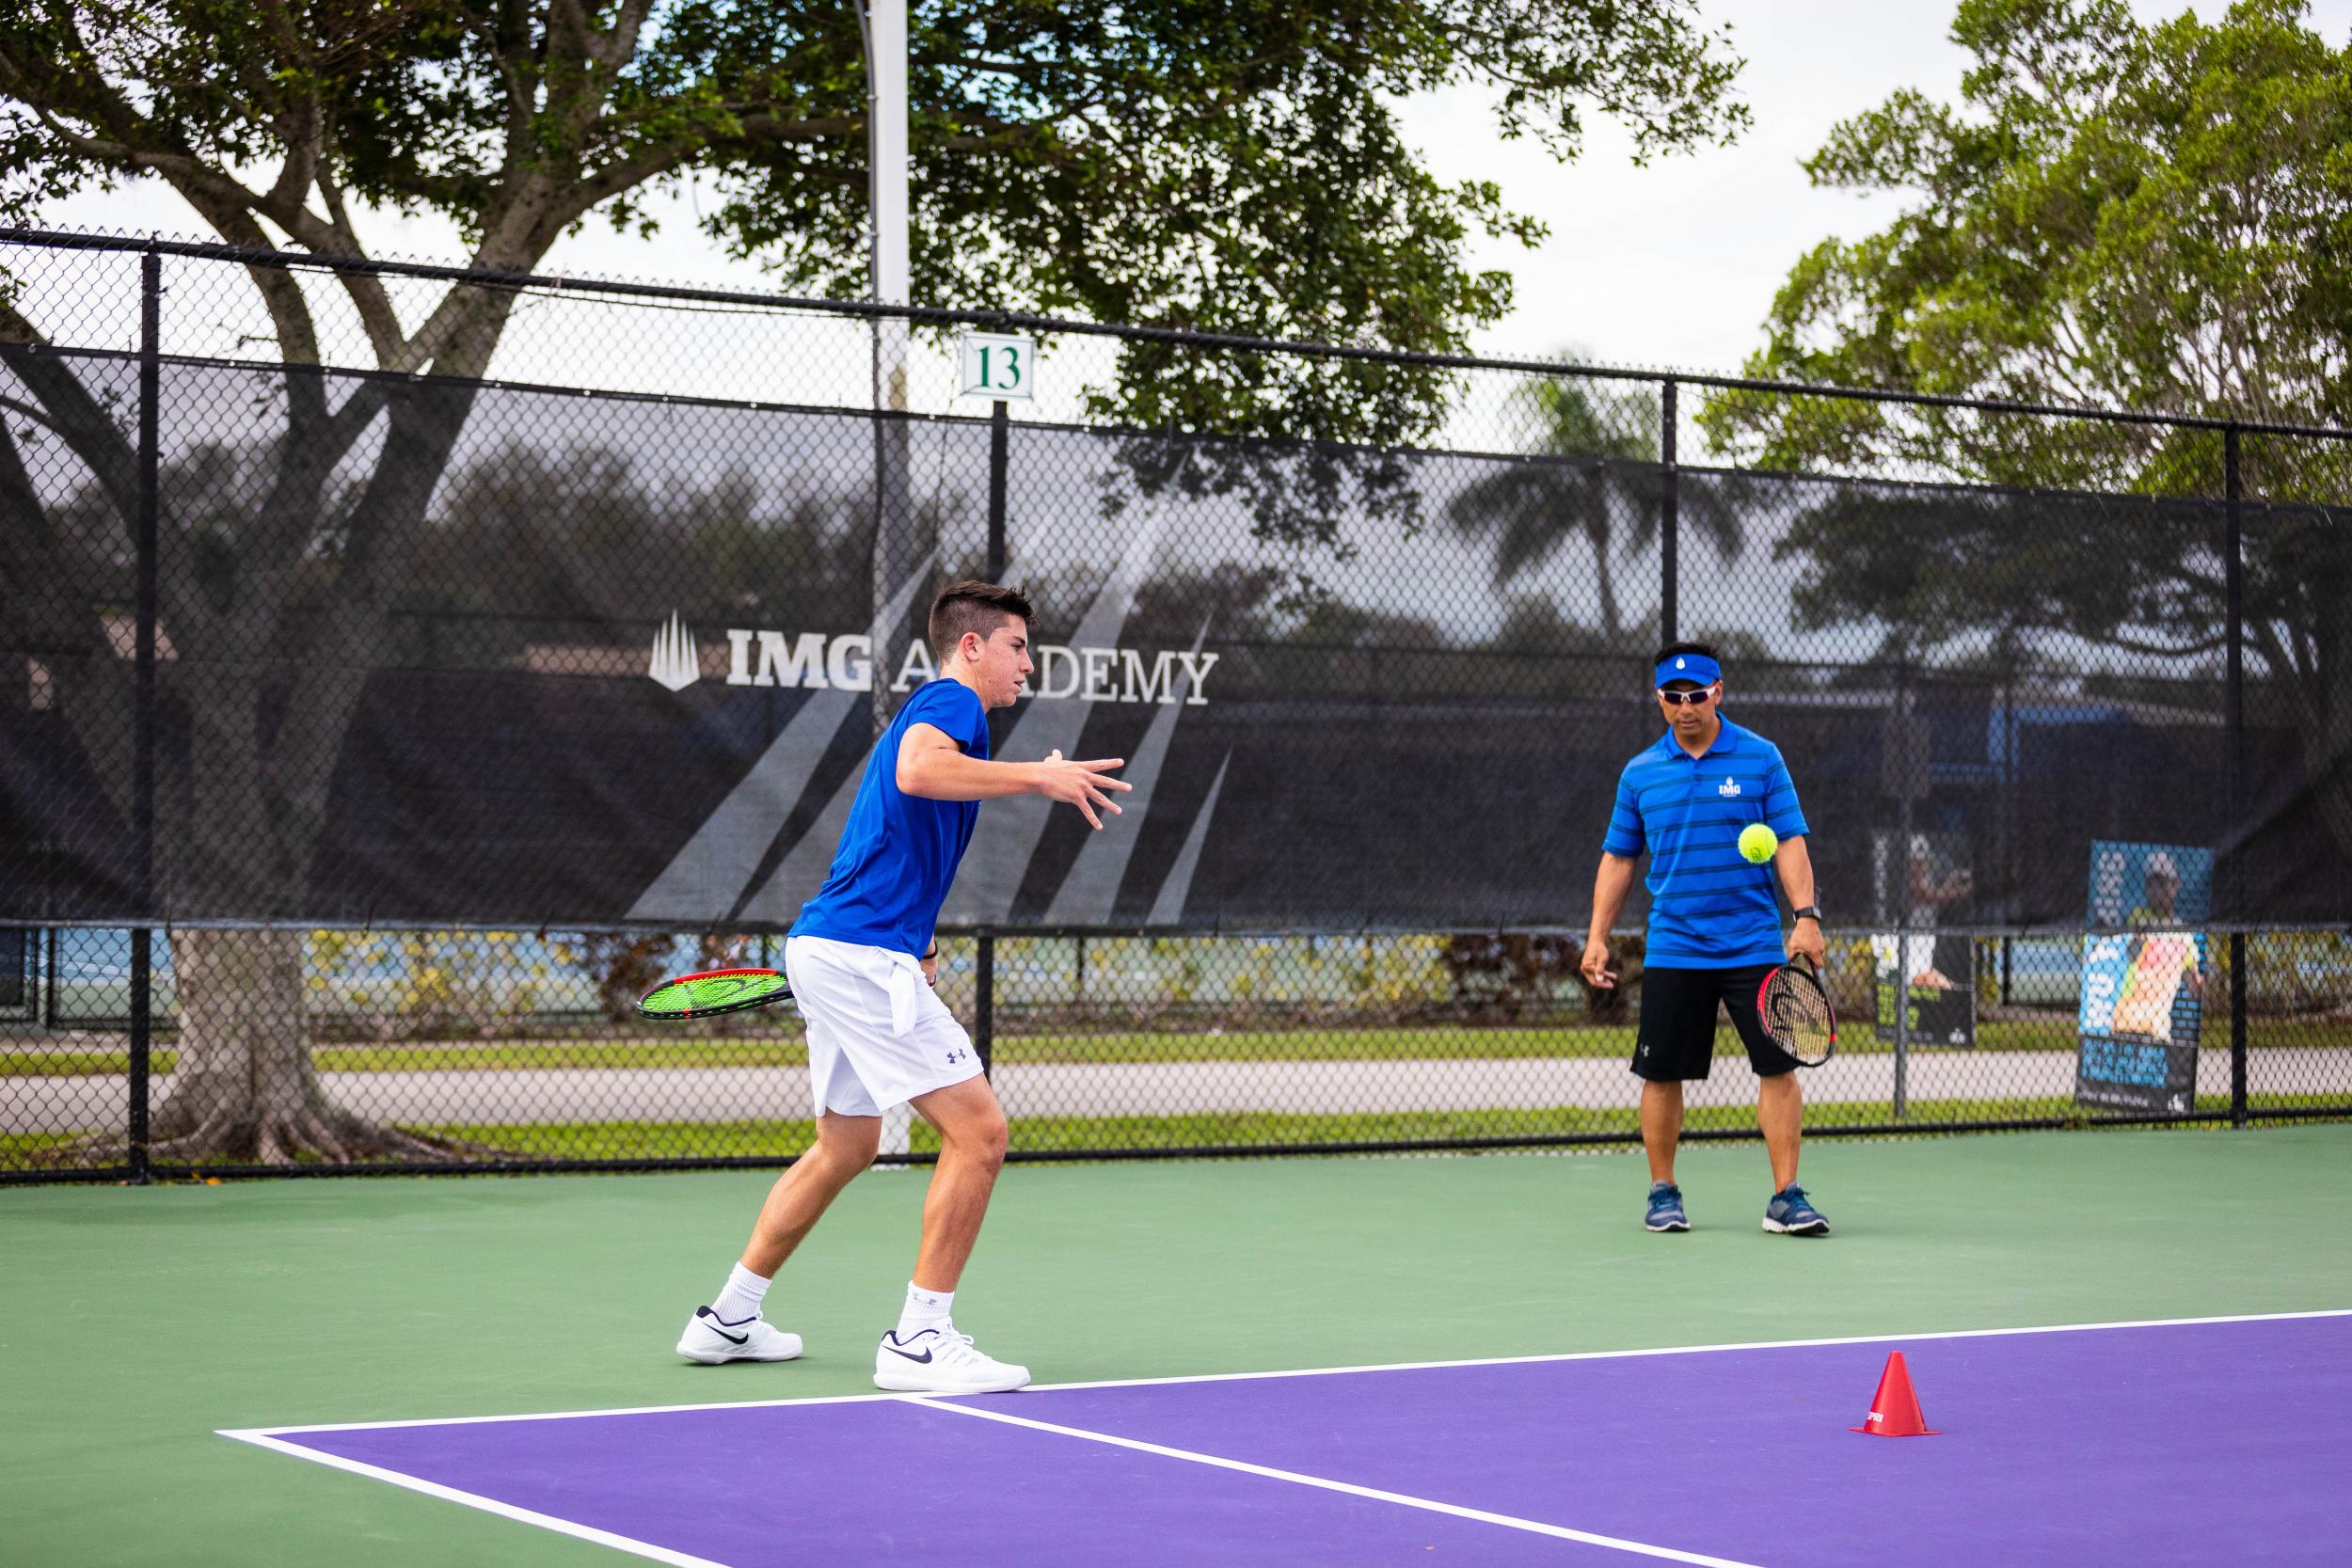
(898, 853)
(1708, 906)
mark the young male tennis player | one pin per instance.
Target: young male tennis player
(862, 960)
(1714, 926)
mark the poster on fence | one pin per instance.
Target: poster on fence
(1933, 972)
(1923, 878)
(2143, 976)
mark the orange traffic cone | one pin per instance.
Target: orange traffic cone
(1895, 1409)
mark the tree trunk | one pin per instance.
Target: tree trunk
(245, 1090)
(236, 840)
(1605, 578)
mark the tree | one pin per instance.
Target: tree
(2148, 217)
(1608, 492)
(2114, 214)
(1234, 168)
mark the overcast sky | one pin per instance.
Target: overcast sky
(1672, 267)
(1675, 265)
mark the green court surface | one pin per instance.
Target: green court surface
(134, 1323)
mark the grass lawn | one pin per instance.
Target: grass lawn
(1418, 1042)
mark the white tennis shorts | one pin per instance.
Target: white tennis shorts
(877, 1035)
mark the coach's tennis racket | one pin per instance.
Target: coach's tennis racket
(714, 992)
(1797, 1013)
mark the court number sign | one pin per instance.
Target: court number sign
(998, 365)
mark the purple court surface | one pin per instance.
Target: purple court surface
(2210, 1441)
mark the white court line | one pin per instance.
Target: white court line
(488, 1505)
(1703, 1350)
(272, 1438)
(1510, 1521)
(248, 1433)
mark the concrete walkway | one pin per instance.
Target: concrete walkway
(1159, 1088)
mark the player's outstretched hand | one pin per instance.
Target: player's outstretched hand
(1082, 784)
(1595, 966)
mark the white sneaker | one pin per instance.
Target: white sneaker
(709, 1339)
(936, 1361)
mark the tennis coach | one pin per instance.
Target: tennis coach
(1715, 923)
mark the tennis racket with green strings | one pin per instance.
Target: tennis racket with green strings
(715, 991)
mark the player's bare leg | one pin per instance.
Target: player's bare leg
(1780, 1113)
(970, 1151)
(845, 1146)
(731, 1328)
(926, 1353)
(1661, 1126)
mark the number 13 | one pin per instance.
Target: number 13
(1012, 368)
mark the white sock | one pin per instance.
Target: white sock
(742, 1296)
(924, 1309)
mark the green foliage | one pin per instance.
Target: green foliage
(1506, 973)
(2286, 973)
(2150, 216)
(426, 985)
(1851, 977)
(1223, 165)
(1526, 511)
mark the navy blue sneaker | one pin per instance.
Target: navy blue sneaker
(1665, 1208)
(1790, 1214)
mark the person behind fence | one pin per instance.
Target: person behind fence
(1928, 893)
(863, 960)
(1714, 924)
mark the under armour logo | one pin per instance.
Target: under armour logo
(955, 1057)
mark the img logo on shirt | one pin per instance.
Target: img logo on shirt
(1729, 789)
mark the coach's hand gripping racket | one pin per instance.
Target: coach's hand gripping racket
(714, 992)
(1796, 1011)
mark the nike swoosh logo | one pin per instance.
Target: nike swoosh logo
(924, 1358)
(734, 1339)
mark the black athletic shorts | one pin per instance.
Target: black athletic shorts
(1677, 1037)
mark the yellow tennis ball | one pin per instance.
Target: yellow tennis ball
(1757, 842)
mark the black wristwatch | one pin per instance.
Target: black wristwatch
(1811, 912)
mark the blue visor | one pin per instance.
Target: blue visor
(1688, 666)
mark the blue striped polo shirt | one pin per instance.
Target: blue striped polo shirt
(1708, 908)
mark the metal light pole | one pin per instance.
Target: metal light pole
(885, 27)
(895, 556)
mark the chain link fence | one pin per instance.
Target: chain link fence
(401, 668)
